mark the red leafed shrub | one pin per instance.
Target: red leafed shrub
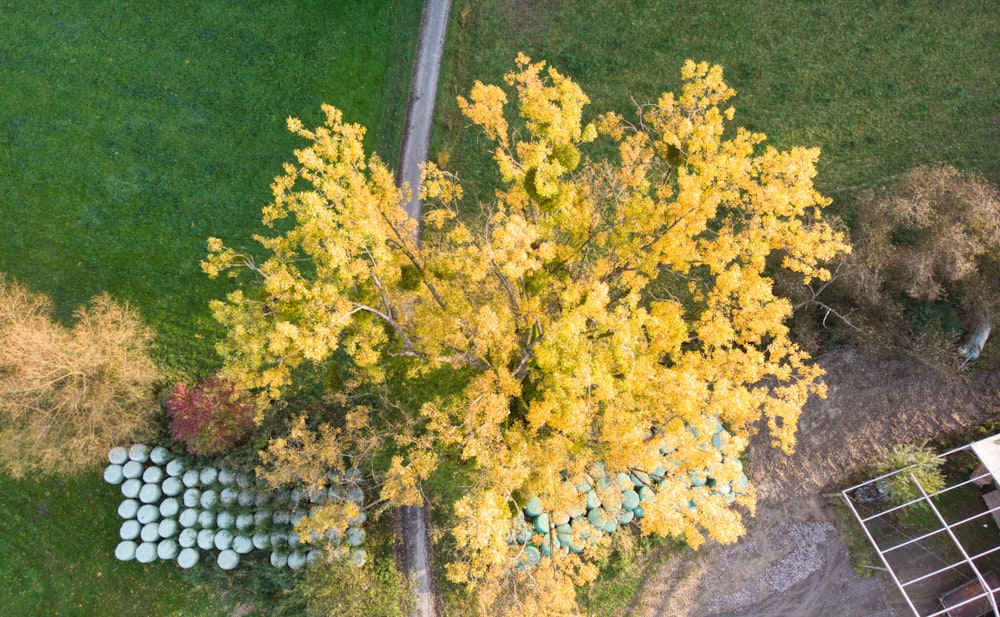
(210, 418)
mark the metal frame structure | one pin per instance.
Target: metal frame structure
(988, 452)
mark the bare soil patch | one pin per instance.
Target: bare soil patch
(792, 561)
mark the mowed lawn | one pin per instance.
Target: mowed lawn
(129, 133)
(880, 87)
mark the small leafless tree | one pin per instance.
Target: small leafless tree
(68, 394)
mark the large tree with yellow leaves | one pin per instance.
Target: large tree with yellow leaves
(606, 311)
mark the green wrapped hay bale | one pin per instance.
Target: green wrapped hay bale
(639, 512)
(209, 499)
(533, 507)
(565, 539)
(355, 536)
(188, 518)
(640, 478)
(226, 477)
(130, 488)
(741, 483)
(228, 495)
(599, 519)
(646, 494)
(172, 487)
(150, 532)
(208, 476)
(625, 517)
(630, 500)
(542, 523)
(150, 493)
(723, 489)
(717, 441)
(531, 556)
(624, 482)
(560, 518)
(593, 501)
(261, 541)
(358, 558)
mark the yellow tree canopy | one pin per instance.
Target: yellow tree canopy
(606, 310)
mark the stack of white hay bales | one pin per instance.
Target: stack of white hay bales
(171, 512)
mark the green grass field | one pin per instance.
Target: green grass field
(128, 135)
(881, 87)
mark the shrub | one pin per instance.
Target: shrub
(68, 394)
(210, 418)
(374, 590)
(933, 238)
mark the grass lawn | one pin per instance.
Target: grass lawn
(129, 133)
(881, 87)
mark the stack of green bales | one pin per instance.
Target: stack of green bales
(174, 512)
(542, 533)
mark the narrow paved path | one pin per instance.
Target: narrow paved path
(412, 538)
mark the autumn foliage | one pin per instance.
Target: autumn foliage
(210, 418)
(609, 310)
(67, 395)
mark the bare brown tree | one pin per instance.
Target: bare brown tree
(69, 394)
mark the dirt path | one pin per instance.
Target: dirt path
(792, 562)
(413, 555)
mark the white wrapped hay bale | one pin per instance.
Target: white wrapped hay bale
(117, 455)
(206, 519)
(139, 453)
(192, 498)
(159, 455)
(131, 487)
(113, 474)
(223, 539)
(175, 467)
(188, 518)
(150, 532)
(296, 560)
(228, 559)
(172, 486)
(150, 493)
(128, 508)
(130, 530)
(279, 559)
(132, 469)
(208, 476)
(242, 544)
(168, 528)
(187, 538)
(166, 549)
(187, 558)
(169, 507)
(145, 552)
(206, 539)
(125, 551)
(147, 514)
(191, 478)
